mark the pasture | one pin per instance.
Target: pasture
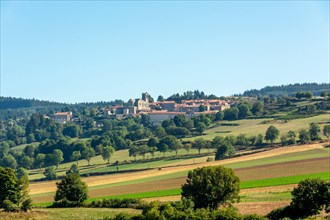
(259, 126)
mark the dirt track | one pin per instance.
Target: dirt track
(49, 186)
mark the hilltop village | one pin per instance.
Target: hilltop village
(157, 111)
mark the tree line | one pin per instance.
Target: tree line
(289, 90)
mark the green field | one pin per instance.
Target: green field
(259, 126)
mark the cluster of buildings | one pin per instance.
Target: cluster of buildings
(160, 111)
(157, 111)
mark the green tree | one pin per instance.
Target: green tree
(244, 111)
(8, 186)
(39, 160)
(133, 151)
(73, 169)
(57, 157)
(21, 172)
(14, 190)
(26, 162)
(152, 151)
(199, 144)
(224, 150)
(260, 139)
(72, 131)
(200, 127)
(172, 143)
(231, 113)
(314, 130)
(310, 196)
(304, 136)
(162, 147)
(153, 141)
(71, 191)
(88, 153)
(326, 131)
(258, 108)
(107, 152)
(4, 149)
(272, 134)
(8, 161)
(209, 187)
(50, 173)
(160, 98)
(284, 140)
(160, 131)
(187, 147)
(29, 150)
(291, 137)
(219, 116)
(76, 156)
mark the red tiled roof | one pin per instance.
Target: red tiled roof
(165, 113)
(62, 113)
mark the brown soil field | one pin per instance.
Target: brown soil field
(49, 186)
(260, 208)
(291, 168)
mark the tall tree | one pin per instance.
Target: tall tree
(314, 130)
(88, 153)
(107, 152)
(57, 157)
(199, 144)
(304, 136)
(272, 134)
(39, 160)
(76, 156)
(326, 131)
(209, 187)
(71, 191)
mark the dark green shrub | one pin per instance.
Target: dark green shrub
(9, 206)
(117, 203)
(26, 205)
(71, 191)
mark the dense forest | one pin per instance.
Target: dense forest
(289, 90)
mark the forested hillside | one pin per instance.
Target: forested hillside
(289, 90)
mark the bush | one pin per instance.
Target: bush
(26, 205)
(71, 191)
(117, 203)
(311, 196)
(184, 210)
(9, 206)
(308, 198)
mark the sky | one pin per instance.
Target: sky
(86, 51)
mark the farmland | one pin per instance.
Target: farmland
(281, 166)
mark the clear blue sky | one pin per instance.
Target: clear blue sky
(92, 51)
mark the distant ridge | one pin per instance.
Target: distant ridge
(289, 90)
(16, 103)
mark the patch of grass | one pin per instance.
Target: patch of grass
(282, 180)
(266, 197)
(136, 166)
(151, 194)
